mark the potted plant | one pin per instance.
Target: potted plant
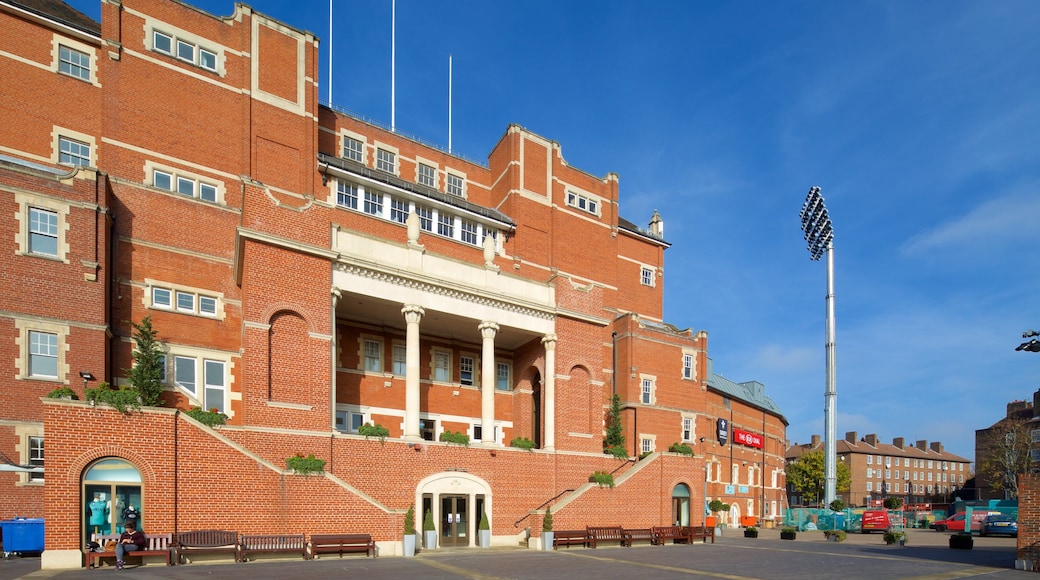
(893, 537)
(429, 531)
(547, 531)
(787, 533)
(602, 479)
(961, 541)
(718, 506)
(63, 393)
(834, 535)
(409, 532)
(485, 530)
(522, 443)
(751, 532)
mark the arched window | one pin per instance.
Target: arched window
(681, 505)
(111, 496)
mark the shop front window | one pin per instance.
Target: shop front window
(111, 497)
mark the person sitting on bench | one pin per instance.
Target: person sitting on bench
(130, 540)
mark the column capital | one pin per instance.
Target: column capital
(549, 341)
(488, 329)
(413, 313)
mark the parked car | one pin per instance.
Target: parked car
(999, 524)
(955, 523)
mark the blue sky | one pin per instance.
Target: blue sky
(919, 120)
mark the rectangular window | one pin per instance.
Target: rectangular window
(469, 232)
(373, 203)
(162, 368)
(478, 433)
(442, 366)
(207, 59)
(425, 218)
(687, 366)
(582, 202)
(214, 376)
(870, 472)
(398, 210)
(207, 305)
(446, 225)
(373, 356)
(162, 42)
(870, 486)
(427, 175)
(502, 380)
(455, 185)
(647, 446)
(687, 429)
(162, 180)
(207, 192)
(466, 370)
(185, 302)
(184, 373)
(646, 277)
(162, 298)
(73, 62)
(428, 428)
(346, 195)
(349, 422)
(186, 186)
(43, 354)
(73, 152)
(386, 161)
(647, 391)
(870, 460)
(186, 51)
(353, 149)
(400, 359)
(36, 457)
(43, 232)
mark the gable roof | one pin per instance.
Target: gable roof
(751, 392)
(60, 12)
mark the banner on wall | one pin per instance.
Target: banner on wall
(722, 430)
(747, 438)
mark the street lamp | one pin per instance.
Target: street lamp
(86, 376)
(1031, 345)
(819, 237)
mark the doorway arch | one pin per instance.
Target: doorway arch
(681, 504)
(111, 495)
(456, 500)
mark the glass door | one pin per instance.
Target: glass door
(454, 521)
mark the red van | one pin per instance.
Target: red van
(875, 521)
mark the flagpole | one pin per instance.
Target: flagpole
(449, 103)
(393, 60)
(330, 52)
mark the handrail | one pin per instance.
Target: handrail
(625, 464)
(545, 503)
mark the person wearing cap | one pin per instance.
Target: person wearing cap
(130, 540)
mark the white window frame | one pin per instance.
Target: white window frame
(468, 232)
(207, 59)
(372, 355)
(23, 342)
(347, 194)
(584, 202)
(184, 183)
(400, 362)
(647, 276)
(646, 444)
(503, 376)
(426, 175)
(70, 62)
(211, 378)
(373, 203)
(164, 296)
(441, 366)
(425, 218)
(74, 152)
(467, 370)
(353, 149)
(185, 47)
(34, 445)
(168, 40)
(446, 225)
(350, 420)
(647, 389)
(44, 347)
(398, 210)
(687, 429)
(688, 365)
(386, 160)
(455, 185)
(50, 231)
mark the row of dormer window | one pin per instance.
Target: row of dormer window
(386, 160)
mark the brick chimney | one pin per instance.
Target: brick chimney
(899, 442)
(937, 447)
(1015, 406)
(815, 442)
(871, 439)
(922, 445)
(850, 436)
(1036, 403)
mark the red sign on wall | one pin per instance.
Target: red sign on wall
(746, 438)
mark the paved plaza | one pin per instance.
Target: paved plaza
(733, 557)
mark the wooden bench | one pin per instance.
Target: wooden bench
(677, 534)
(703, 532)
(605, 534)
(278, 543)
(341, 544)
(638, 534)
(155, 545)
(208, 541)
(570, 538)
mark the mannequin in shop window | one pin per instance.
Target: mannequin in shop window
(130, 514)
(98, 509)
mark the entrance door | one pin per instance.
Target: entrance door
(454, 521)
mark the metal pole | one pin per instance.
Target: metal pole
(831, 395)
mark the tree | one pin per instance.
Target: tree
(146, 373)
(806, 475)
(615, 442)
(1008, 455)
(893, 502)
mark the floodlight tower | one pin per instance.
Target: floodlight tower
(820, 238)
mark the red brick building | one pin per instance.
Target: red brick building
(309, 272)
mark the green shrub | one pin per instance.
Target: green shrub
(409, 521)
(602, 478)
(838, 534)
(617, 451)
(210, 418)
(547, 520)
(893, 537)
(522, 443)
(63, 393)
(305, 465)
(716, 505)
(680, 448)
(459, 438)
(837, 505)
(370, 430)
(123, 399)
(145, 376)
(427, 524)
(484, 523)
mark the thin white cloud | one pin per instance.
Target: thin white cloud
(993, 223)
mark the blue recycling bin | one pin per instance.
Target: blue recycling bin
(22, 535)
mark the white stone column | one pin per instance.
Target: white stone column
(488, 330)
(412, 315)
(549, 391)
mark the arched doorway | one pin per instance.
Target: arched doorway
(681, 505)
(456, 500)
(112, 495)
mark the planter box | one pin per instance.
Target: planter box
(959, 542)
(750, 533)
(788, 535)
